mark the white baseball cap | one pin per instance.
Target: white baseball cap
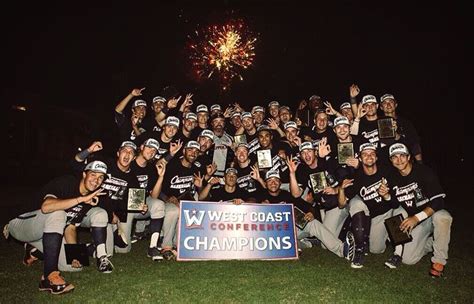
(207, 133)
(159, 99)
(290, 124)
(128, 143)
(139, 102)
(386, 96)
(341, 120)
(172, 120)
(192, 144)
(306, 145)
(96, 166)
(202, 108)
(367, 146)
(152, 143)
(190, 115)
(345, 105)
(369, 99)
(398, 148)
(272, 173)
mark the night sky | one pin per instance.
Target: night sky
(86, 57)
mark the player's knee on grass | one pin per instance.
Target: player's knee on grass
(156, 208)
(442, 219)
(356, 205)
(98, 217)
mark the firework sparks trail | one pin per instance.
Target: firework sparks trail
(222, 51)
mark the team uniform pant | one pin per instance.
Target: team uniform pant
(328, 239)
(378, 233)
(170, 225)
(334, 219)
(29, 228)
(433, 234)
(156, 209)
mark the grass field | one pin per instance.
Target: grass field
(317, 277)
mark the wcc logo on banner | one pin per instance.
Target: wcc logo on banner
(223, 231)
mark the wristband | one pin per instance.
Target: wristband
(421, 216)
(83, 154)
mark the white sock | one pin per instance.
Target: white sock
(154, 239)
(101, 250)
(398, 250)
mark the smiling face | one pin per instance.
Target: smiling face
(402, 163)
(368, 158)
(139, 111)
(92, 180)
(273, 185)
(265, 139)
(342, 131)
(308, 156)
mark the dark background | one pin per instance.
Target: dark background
(70, 64)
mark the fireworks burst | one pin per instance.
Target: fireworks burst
(222, 51)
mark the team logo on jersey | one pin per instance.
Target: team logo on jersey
(194, 218)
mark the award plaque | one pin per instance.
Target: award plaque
(136, 197)
(264, 158)
(344, 151)
(240, 139)
(318, 181)
(76, 252)
(220, 158)
(300, 221)
(385, 126)
(397, 236)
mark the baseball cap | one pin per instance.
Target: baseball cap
(159, 99)
(96, 166)
(244, 145)
(314, 97)
(172, 120)
(217, 115)
(263, 128)
(216, 107)
(201, 108)
(246, 115)
(257, 109)
(152, 143)
(190, 115)
(306, 145)
(368, 99)
(139, 102)
(235, 114)
(283, 108)
(398, 148)
(272, 173)
(341, 120)
(386, 96)
(128, 143)
(231, 170)
(345, 105)
(207, 133)
(273, 103)
(367, 146)
(290, 124)
(192, 144)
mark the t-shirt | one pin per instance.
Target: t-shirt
(66, 187)
(219, 194)
(369, 131)
(179, 180)
(147, 176)
(366, 186)
(116, 185)
(286, 197)
(246, 182)
(418, 190)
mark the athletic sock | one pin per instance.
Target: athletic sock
(51, 247)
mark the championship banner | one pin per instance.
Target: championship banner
(224, 231)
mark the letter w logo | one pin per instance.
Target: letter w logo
(193, 220)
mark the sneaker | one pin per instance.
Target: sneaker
(55, 284)
(137, 236)
(155, 254)
(6, 232)
(314, 241)
(119, 240)
(104, 265)
(394, 261)
(349, 246)
(358, 261)
(32, 254)
(436, 270)
(168, 255)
